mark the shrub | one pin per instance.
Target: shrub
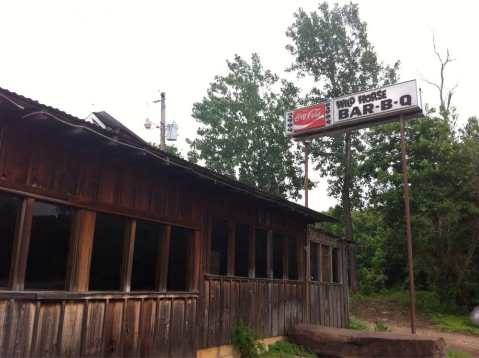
(357, 324)
(380, 326)
(244, 340)
(287, 349)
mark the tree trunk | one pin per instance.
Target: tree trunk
(346, 201)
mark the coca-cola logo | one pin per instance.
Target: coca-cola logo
(310, 114)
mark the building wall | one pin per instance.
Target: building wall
(48, 162)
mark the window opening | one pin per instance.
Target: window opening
(278, 242)
(180, 259)
(107, 255)
(146, 256)
(242, 250)
(292, 258)
(9, 209)
(219, 248)
(49, 246)
(335, 259)
(314, 261)
(261, 244)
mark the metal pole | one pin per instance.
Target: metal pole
(407, 215)
(306, 179)
(162, 122)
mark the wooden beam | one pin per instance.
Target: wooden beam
(127, 260)
(81, 244)
(252, 252)
(164, 256)
(285, 252)
(269, 254)
(21, 243)
(231, 249)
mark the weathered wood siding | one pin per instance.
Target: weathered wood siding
(99, 327)
(271, 307)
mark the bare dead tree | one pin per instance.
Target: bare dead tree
(445, 96)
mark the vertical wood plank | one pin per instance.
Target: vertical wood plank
(269, 254)
(21, 245)
(131, 328)
(112, 340)
(127, 261)
(70, 339)
(162, 345)
(147, 327)
(81, 249)
(46, 335)
(93, 329)
(177, 328)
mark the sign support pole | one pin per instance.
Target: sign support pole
(306, 165)
(407, 216)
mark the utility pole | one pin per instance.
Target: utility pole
(162, 121)
(407, 216)
(306, 165)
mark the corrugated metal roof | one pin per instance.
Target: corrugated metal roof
(27, 105)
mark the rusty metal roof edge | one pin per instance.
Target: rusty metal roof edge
(172, 159)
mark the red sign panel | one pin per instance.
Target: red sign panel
(309, 117)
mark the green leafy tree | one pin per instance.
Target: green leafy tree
(331, 46)
(241, 130)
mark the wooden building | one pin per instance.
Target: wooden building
(109, 247)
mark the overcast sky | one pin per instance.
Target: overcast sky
(116, 55)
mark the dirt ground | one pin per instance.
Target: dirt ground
(396, 318)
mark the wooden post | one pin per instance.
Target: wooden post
(83, 231)
(230, 262)
(407, 216)
(252, 253)
(306, 166)
(20, 246)
(127, 261)
(269, 254)
(285, 258)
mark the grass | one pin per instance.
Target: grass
(444, 316)
(285, 349)
(458, 354)
(454, 323)
(357, 324)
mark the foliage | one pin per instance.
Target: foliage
(331, 47)
(244, 340)
(241, 131)
(357, 324)
(457, 354)
(455, 323)
(380, 326)
(285, 349)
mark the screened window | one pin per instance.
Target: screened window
(242, 250)
(146, 254)
(219, 248)
(9, 209)
(180, 260)
(292, 258)
(314, 254)
(49, 244)
(278, 253)
(335, 263)
(261, 250)
(107, 252)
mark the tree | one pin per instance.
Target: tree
(241, 130)
(332, 47)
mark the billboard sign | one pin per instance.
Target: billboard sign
(359, 109)
(308, 118)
